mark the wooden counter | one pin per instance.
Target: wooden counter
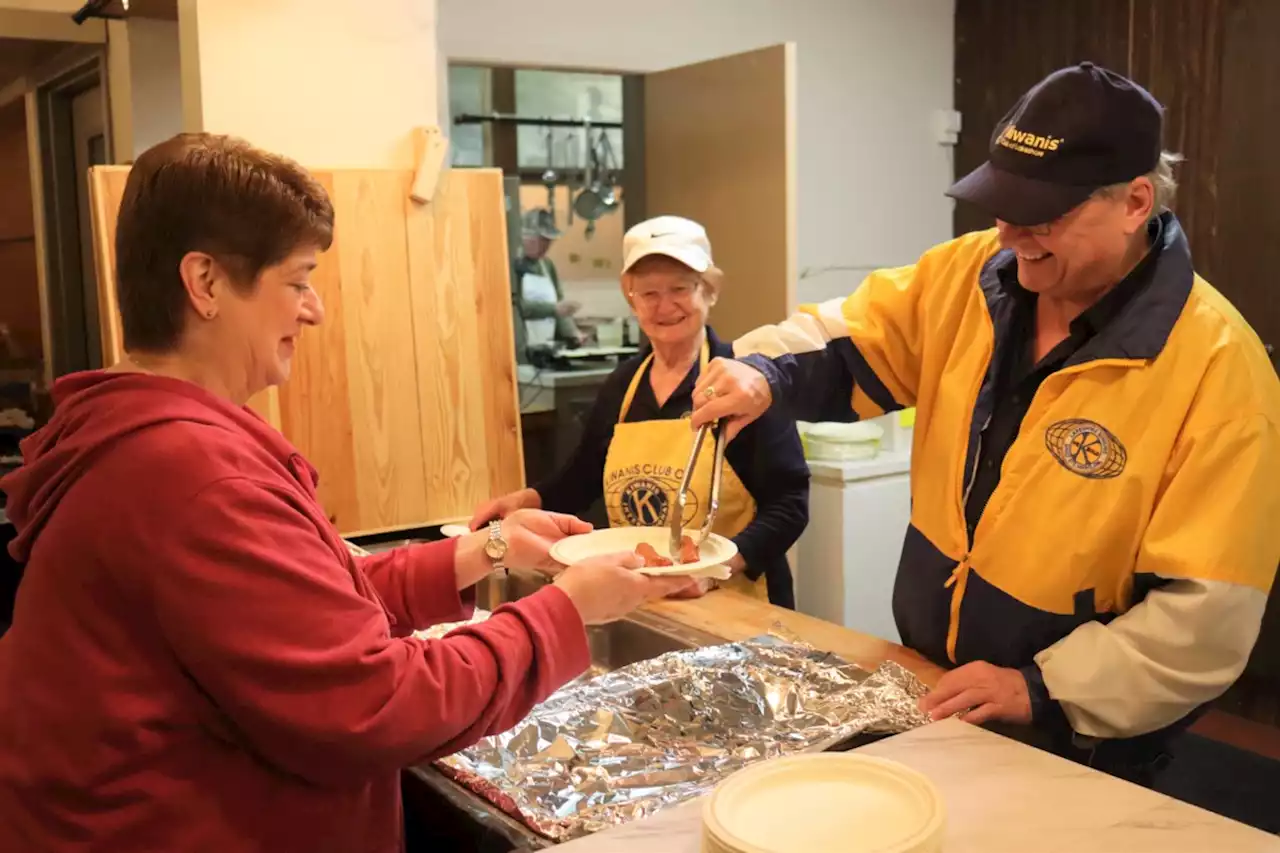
(734, 616)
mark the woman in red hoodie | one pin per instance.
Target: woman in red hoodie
(196, 661)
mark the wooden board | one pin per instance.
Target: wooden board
(405, 397)
(106, 189)
(720, 149)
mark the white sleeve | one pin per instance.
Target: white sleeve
(1181, 646)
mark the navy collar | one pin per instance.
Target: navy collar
(1134, 320)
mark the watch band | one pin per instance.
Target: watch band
(497, 547)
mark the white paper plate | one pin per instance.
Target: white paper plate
(825, 803)
(452, 530)
(715, 552)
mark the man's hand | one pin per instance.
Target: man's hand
(732, 392)
(504, 506)
(696, 588)
(991, 692)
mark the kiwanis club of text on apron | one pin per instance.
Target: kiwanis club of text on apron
(644, 468)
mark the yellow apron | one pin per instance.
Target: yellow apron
(643, 470)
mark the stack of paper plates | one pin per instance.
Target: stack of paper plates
(826, 803)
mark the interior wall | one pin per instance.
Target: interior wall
(155, 82)
(330, 83)
(871, 76)
(20, 321)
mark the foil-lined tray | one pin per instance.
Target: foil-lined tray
(622, 745)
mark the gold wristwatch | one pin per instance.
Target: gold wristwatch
(496, 548)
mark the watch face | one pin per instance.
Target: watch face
(495, 548)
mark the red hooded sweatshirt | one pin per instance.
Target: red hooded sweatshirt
(196, 661)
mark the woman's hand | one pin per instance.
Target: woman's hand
(604, 589)
(529, 533)
(504, 506)
(732, 392)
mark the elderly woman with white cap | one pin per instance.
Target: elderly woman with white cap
(636, 440)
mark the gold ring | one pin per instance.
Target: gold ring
(710, 392)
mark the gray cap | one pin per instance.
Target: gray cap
(540, 222)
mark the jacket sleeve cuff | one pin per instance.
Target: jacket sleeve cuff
(750, 556)
(771, 373)
(1046, 714)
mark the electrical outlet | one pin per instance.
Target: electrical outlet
(946, 126)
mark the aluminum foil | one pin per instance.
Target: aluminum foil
(620, 746)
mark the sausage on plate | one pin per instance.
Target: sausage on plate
(650, 556)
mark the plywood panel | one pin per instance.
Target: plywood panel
(461, 309)
(386, 422)
(496, 356)
(106, 189)
(447, 337)
(720, 149)
(317, 384)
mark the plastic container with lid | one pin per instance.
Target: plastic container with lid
(841, 442)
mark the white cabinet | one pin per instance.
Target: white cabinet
(848, 556)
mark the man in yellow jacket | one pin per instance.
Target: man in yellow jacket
(1096, 466)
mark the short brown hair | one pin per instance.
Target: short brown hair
(198, 192)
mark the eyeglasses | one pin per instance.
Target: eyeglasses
(680, 294)
(1046, 228)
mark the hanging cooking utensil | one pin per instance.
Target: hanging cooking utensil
(571, 158)
(549, 177)
(598, 198)
(608, 177)
(584, 203)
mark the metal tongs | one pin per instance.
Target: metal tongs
(682, 496)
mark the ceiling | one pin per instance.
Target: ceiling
(164, 9)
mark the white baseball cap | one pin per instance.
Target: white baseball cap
(673, 236)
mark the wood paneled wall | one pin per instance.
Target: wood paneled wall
(1214, 64)
(19, 281)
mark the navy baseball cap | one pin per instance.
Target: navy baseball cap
(1079, 129)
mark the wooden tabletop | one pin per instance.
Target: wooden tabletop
(734, 616)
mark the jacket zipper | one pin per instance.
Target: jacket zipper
(959, 577)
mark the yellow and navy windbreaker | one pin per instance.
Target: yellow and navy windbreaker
(1129, 545)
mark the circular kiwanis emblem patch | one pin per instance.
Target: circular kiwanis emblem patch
(644, 503)
(1086, 448)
